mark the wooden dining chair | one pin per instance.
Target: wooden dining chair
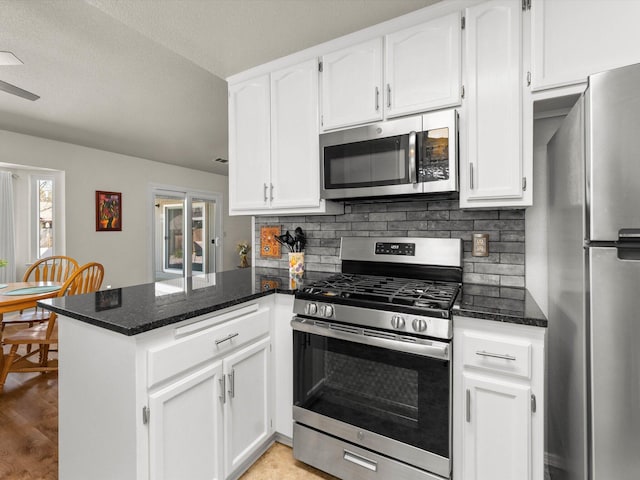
(85, 279)
(56, 268)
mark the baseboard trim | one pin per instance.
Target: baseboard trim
(283, 439)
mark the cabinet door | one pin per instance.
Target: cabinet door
(492, 127)
(352, 85)
(497, 429)
(422, 67)
(247, 410)
(185, 428)
(295, 167)
(249, 144)
(283, 365)
(573, 39)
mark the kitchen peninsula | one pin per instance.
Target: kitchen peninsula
(196, 378)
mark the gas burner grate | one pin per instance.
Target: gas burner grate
(390, 290)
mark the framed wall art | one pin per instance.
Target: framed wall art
(108, 211)
(269, 246)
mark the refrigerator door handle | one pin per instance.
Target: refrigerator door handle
(629, 234)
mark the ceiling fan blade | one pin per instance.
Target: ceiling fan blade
(7, 87)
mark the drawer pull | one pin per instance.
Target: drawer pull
(482, 353)
(226, 339)
(360, 460)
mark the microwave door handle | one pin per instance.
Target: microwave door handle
(412, 158)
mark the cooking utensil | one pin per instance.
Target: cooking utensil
(300, 240)
(286, 240)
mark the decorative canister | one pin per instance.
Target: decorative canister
(296, 264)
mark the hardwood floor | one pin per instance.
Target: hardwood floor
(29, 427)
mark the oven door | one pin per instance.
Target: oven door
(375, 390)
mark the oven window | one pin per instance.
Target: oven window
(366, 164)
(399, 395)
(434, 165)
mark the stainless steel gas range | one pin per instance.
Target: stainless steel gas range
(372, 361)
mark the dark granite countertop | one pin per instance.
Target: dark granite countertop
(140, 308)
(500, 304)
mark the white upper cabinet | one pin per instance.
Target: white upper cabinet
(423, 66)
(574, 38)
(249, 144)
(492, 172)
(274, 165)
(419, 69)
(295, 171)
(352, 85)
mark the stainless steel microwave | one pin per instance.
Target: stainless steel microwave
(407, 156)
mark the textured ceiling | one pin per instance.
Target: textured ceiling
(144, 77)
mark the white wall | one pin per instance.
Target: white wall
(536, 215)
(125, 255)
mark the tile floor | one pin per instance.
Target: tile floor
(278, 463)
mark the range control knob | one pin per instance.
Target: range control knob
(311, 309)
(326, 311)
(397, 322)
(419, 324)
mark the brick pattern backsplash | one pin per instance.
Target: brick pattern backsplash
(505, 265)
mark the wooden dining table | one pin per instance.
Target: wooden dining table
(14, 303)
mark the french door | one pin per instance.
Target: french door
(186, 234)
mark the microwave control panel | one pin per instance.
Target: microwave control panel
(385, 248)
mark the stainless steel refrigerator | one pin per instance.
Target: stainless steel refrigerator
(593, 423)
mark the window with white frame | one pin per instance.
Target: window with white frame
(43, 216)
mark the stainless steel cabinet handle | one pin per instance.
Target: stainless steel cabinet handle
(226, 339)
(471, 176)
(223, 393)
(468, 405)
(388, 95)
(232, 384)
(412, 158)
(271, 194)
(482, 353)
(265, 193)
(377, 99)
(360, 460)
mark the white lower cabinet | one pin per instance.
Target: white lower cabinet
(498, 401)
(192, 400)
(497, 429)
(247, 414)
(185, 430)
(218, 416)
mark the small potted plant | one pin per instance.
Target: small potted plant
(243, 250)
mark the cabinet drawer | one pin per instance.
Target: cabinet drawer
(202, 345)
(499, 354)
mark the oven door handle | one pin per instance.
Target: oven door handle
(422, 347)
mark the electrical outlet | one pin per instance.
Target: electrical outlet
(480, 246)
